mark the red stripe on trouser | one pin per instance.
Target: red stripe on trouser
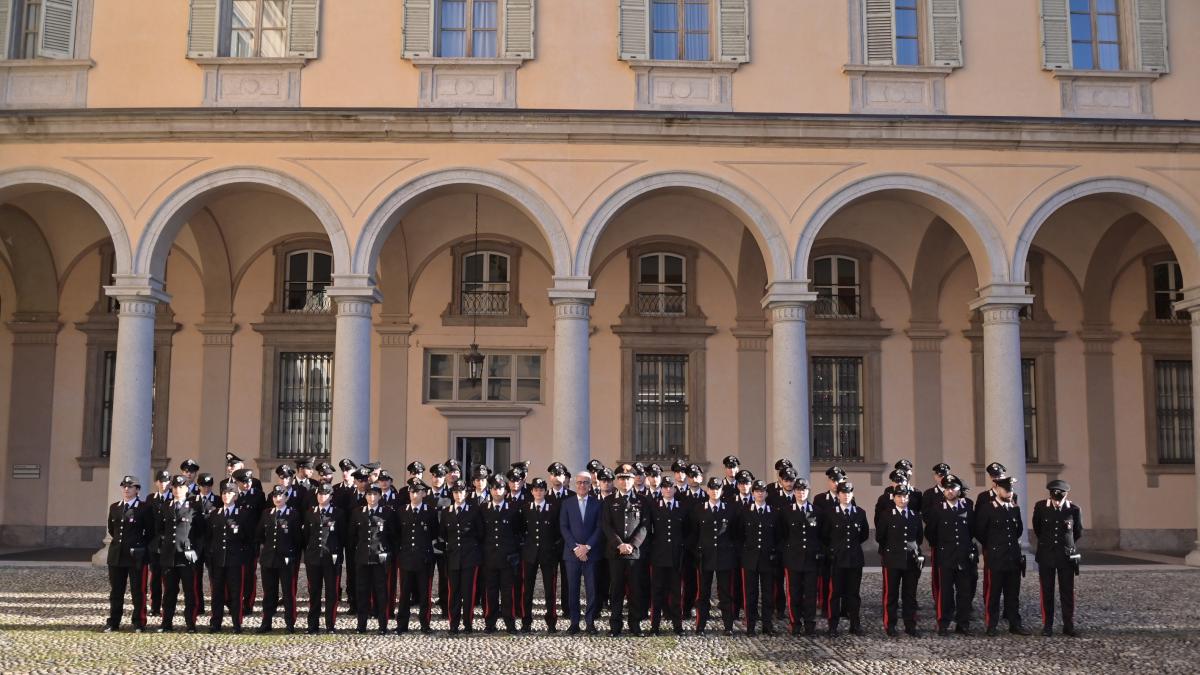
(829, 601)
(787, 582)
(551, 610)
(987, 597)
(699, 612)
(885, 598)
(452, 605)
(745, 597)
(241, 593)
(195, 595)
(471, 601)
(429, 601)
(939, 602)
(1042, 601)
(337, 587)
(145, 576)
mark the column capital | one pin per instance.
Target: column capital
(1190, 303)
(34, 330)
(217, 332)
(789, 292)
(353, 288)
(926, 336)
(1001, 294)
(137, 288)
(572, 291)
(394, 334)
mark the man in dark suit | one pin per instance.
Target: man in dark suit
(579, 523)
(131, 525)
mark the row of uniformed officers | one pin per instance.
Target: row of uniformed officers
(663, 541)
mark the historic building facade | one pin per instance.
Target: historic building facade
(844, 231)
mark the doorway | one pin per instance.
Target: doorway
(494, 451)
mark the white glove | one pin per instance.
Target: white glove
(191, 556)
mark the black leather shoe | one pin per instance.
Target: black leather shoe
(728, 632)
(833, 630)
(511, 630)
(166, 629)
(1047, 631)
(768, 630)
(962, 629)
(614, 632)
(262, 629)
(991, 631)
(1070, 631)
(1019, 629)
(381, 631)
(191, 629)
(810, 629)
(313, 630)
(489, 629)
(360, 631)
(943, 631)
(678, 630)
(592, 630)
(551, 629)
(857, 630)
(426, 630)
(636, 631)
(573, 630)
(892, 632)
(291, 630)
(108, 629)
(912, 631)
(237, 630)
(526, 628)
(330, 631)
(751, 631)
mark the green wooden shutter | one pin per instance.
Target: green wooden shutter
(519, 19)
(1056, 35)
(418, 28)
(57, 40)
(634, 38)
(733, 19)
(204, 23)
(945, 30)
(6, 27)
(879, 32)
(1151, 16)
(304, 27)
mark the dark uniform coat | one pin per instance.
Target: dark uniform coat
(131, 530)
(715, 534)
(801, 545)
(462, 530)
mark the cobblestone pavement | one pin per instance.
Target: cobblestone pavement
(1130, 619)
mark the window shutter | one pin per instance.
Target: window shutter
(519, 16)
(1056, 35)
(203, 27)
(304, 27)
(418, 28)
(1152, 35)
(57, 40)
(733, 18)
(945, 27)
(6, 24)
(879, 21)
(634, 40)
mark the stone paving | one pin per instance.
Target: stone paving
(1138, 618)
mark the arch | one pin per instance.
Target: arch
(32, 264)
(765, 230)
(151, 255)
(934, 262)
(1171, 219)
(90, 195)
(385, 217)
(975, 229)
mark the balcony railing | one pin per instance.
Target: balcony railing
(656, 303)
(485, 302)
(836, 307)
(299, 299)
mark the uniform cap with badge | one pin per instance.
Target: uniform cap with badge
(694, 471)
(130, 481)
(231, 459)
(941, 469)
(731, 462)
(744, 476)
(347, 465)
(438, 471)
(243, 475)
(667, 481)
(416, 467)
(758, 486)
(605, 475)
(384, 475)
(800, 484)
(835, 473)
(782, 463)
(714, 483)
(285, 471)
(497, 482)
(205, 480)
(996, 470)
(325, 489)
(538, 484)
(163, 476)
(189, 466)
(417, 485)
(846, 487)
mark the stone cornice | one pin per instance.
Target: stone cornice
(585, 126)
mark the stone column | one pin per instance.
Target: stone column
(133, 387)
(572, 300)
(787, 303)
(1098, 340)
(1004, 414)
(1191, 303)
(926, 338)
(355, 298)
(752, 445)
(217, 357)
(30, 420)
(392, 431)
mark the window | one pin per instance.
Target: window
(837, 409)
(308, 274)
(485, 287)
(681, 30)
(258, 28)
(662, 285)
(835, 279)
(1168, 289)
(1029, 401)
(108, 380)
(908, 33)
(30, 21)
(508, 377)
(660, 406)
(468, 28)
(1095, 35)
(305, 410)
(1173, 408)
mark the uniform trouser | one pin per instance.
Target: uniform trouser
(529, 574)
(779, 591)
(845, 584)
(801, 597)
(134, 576)
(250, 583)
(276, 581)
(461, 585)
(823, 586)
(156, 585)
(200, 585)
(900, 595)
(690, 582)
(501, 584)
(392, 576)
(227, 585)
(704, 582)
(935, 577)
(369, 593)
(1008, 584)
(666, 589)
(173, 579)
(443, 597)
(324, 583)
(416, 583)
(1066, 589)
(626, 578)
(955, 595)
(563, 601)
(351, 582)
(602, 584)
(758, 584)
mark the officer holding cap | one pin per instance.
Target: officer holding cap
(951, 527)
(803, 558)
(131, 526)
(998, 530)
(844, 530)
(324, 533)
(1058, 526)
(180, 541)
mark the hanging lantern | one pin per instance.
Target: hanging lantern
(474, 363)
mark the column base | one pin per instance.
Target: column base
(1193, 558)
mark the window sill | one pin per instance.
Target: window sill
(251, 82)
(684, 85)
(913, 90)
(90, 463)
(483, 408)
(1153, 471)
(452, 82)
(1106, 93)
(44, 83)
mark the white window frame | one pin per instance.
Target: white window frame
(487, 284)
(458, 374)
(681, 30)
(256, 31)
(1173, 293)
(469, 30)
(661, 287)
(834, 287)
(315, 299)
(1094, 15)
